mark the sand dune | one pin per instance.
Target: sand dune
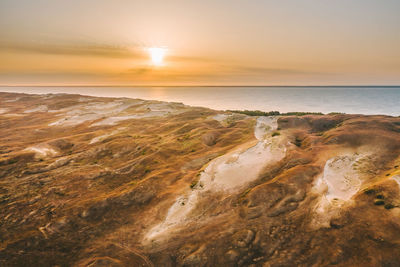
(229, 172)
(127, 182)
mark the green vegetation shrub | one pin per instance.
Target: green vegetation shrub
(276, 134)
(379, 202)
(297, 142)
(369, 191)
(193, 184)
(243, 195)
(273, 113)
(389, 206)
(336, 113)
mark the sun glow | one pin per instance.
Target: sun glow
(157, 55)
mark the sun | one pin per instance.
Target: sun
(157, 55)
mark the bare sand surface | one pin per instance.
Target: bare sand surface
(104, 136)
(42, 150)
(340, 180)
(40, 108)
(92, 111)
(226, 173)
(397, 179)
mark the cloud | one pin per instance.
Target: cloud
(267, 71)
(139, 71)
(214, 71)
(178, 58)
(74, 50)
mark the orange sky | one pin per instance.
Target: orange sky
(287, 42)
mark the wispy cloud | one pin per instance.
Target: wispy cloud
(198, 59)
(179, 68)
(214, 71)
(267, 70)
(139, 71)
(74, 50)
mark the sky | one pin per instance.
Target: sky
(208, 42)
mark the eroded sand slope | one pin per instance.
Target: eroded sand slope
(89, 181)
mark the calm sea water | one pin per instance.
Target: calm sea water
(359, 100)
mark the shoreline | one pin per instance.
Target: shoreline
(240, 111)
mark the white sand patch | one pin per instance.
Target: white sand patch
(220, 117)
(12, 115)
(41, 108)
(81, 113)
(341, 178)
(104, 136)
(397, 179)
(227, 173)
(339, 182)
(52, 95)
(225, 119)
(177, 215)
(116, 119)
(146, 111)
(162, 106)
(236, 169)
(265, 125)
(3, 110)
(167, 107)
(13, 100)
(84, 99)
(111, 113)
(75, 120)
(93, 107)
(42, 150)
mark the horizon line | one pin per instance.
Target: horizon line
(343, 85)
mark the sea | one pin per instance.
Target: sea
(384, 100)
